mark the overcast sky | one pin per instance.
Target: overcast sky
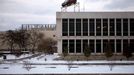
(13, 13)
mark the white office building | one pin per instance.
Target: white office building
(75, 30)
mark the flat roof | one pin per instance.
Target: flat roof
(126, 14)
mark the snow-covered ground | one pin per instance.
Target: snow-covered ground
(11, 56)
(64, 69)
(24, 67)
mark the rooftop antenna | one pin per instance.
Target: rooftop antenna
(84, 6)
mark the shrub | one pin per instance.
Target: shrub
(65, 52)
(87, 51)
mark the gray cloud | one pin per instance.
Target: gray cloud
(95, 0)
(120, 4)
(13, 13)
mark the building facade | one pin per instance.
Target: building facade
(48, 30)
(75, 30)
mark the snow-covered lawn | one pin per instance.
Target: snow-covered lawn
(64, 69)
(11, 56)
(24, 67)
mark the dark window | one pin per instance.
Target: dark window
(91, 27)
(105, 27)
(78, 46)
(132, 45)
(85, 27)
(112, 45)
(71, 27)
(125, 45)
(132, 27)
(64, 44)
(85, 44)
(125, 27)
(64, 27)
(71, 46)
(118, 27)
(105, 43)
(112, 27)
(78, 27)
(118, 46)
(91, 44)
(98, 46)
(98, 27)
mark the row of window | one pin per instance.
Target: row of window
(98, 46)
(85, 27)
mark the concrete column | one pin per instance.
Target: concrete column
(101, 27)
(74, 45)
(74, 27)
(94, 46)
(59, 30)
(108, 27)
(102, 46)
(81, 46)
(68, 46)
(128, 27)
(95, 26)
(88, 28)
(115, 28)
(121, 45)
(59, 46)
(81, 27)
(121, 27)
(115, 46)
(68, 27)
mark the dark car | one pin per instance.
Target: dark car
(68, 3)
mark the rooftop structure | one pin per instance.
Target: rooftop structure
(39, 26)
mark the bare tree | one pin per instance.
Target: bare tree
(51, 45)
(87, 51)
(35, 39)
(127, 52)
(27, 65)
(65, 51)
(8, 38)
(108, 50)
(70, 64)
(47, 45)
(111, 65)
(109, 53)
(22, 39)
